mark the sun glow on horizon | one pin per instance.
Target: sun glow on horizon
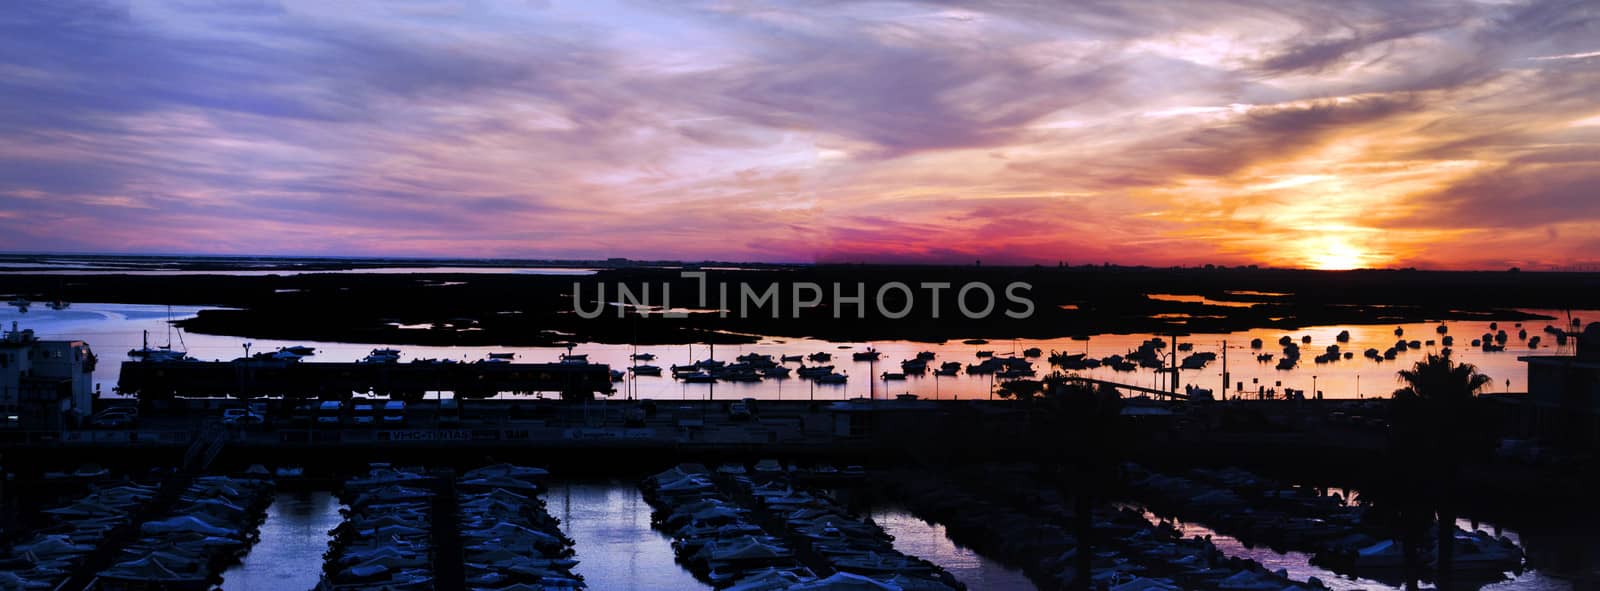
(1336, 254)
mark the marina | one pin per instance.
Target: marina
(605, 538)
(789, 463)
(774, 295)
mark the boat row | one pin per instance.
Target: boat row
(1010, 516)
(837, 540)
(509, 540)
(1002, 367)
(47, 557)
(212, 525)
(748, 368)
(386, 538)
(714, 537)
(1341, 534)
(774, 537)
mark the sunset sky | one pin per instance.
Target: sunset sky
(1287, 132)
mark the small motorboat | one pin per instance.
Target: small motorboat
(289, 472)
(697, 377)
(814, 371)
(382, 356)
(832, 378)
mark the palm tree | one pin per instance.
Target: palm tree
(1081, 426)
(1431, 413)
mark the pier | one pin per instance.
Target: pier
(251, 378)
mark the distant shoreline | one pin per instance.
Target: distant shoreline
(536, 310)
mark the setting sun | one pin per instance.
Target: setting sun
(1336, 254)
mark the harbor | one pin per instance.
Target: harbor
(794, 463)
(767, 295)
(762, 460)
(796, 480)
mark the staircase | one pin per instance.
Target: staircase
(206, 446)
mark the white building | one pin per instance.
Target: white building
(44, 382)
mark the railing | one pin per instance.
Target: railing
(32, 437)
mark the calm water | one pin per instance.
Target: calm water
(609, 523)
(919, 538)
(293, 538)
(113, 329)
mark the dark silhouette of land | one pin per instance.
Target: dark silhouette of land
(537, 309)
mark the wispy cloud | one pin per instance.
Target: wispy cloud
(1230, 131)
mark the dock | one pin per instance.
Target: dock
(251, 378)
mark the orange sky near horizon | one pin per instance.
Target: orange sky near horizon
(1289, 134)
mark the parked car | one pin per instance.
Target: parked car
(328, 412)
(241, 417)
(394, 412)
(633, 417)
(303, 414)
(449, 412)
(116, 418)
(739, 411)
(364, 413)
